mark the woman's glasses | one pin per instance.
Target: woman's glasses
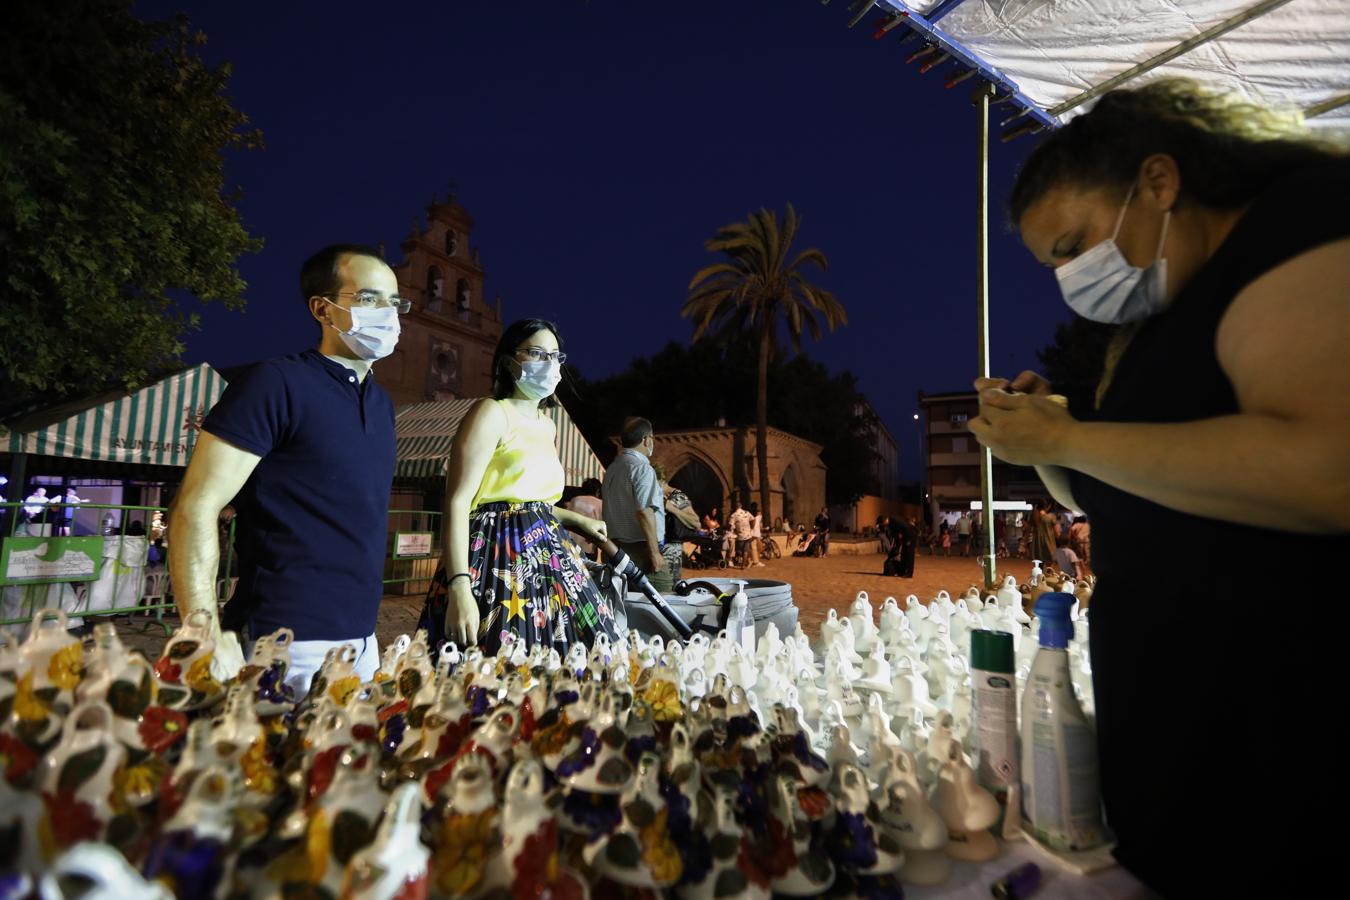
(540, 355)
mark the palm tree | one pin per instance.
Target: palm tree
(754, 289)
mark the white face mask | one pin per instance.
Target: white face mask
(536, 380)
(374, 332)
(1101, 285)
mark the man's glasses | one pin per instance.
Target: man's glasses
(539, 355)
(375, 300)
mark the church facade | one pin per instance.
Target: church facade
(445, 351)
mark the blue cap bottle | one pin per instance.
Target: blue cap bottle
(1054, 612)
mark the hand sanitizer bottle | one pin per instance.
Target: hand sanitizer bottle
(741, 622)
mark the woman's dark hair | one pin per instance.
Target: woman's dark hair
(1227, 150)
(754, 509)
(503, 382)
(591, 487)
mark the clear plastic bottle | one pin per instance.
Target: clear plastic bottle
(1061, 793)
(740, 621)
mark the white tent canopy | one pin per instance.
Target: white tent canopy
(1060, 53)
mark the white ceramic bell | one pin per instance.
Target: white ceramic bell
(968, 809)
(864, 625)
(910, 688)
(102, 874)
(915, 611)
(891, 619)
(394, 864)
(916, 826)
(972, 598)
(876, 671)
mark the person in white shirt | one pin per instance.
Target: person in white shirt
(756, 534)
(741, 524)
(34, 506)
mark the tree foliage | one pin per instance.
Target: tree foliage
(758, 287)
(691, 387)
(112, 194)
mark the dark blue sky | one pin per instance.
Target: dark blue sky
(598, 144)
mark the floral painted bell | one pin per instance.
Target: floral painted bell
(641, 853)
(77, 776)
(192, 851)
(394, 865)
(858, 840)
(186, 662)
(810, 871)
(531, 850)
(20, 812)
(725, 875)
(102, 874)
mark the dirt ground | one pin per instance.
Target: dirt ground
(818, 585)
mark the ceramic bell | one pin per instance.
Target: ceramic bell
(876, 671)
(892, 620)
(186, 661)
(829, 630)
(916, 826)
(530, 839)
(101, 872)
(466, 845)
(394, 865)
(77, 776)
(727, 844)
(864, 626)
(972, 598)
(910, 689)
(20, 813)
(859, 840)
(192, 851)
(47, 669)
(915, 612)
(812, 872)
(968, 809)
(641, 853)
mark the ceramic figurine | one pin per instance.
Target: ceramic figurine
(726, 876)
(915, 825)
(811, 871)
(192, 851)
(641, 853)
(186, 662)
(859, 841)
(892, 620)
(102, 873)
(876, 672)
(864, 626)
(77, 776)
(394, 865)
(469, 838)
(968, 809)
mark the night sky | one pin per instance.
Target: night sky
(598, 144)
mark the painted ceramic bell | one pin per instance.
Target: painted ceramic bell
(186, 661)
(20, 813)
(77, 776)
(968, 809)
(726, 842)
(641, 853)
(812, 872)
(415, 670)
(598, 766)
(102, 874)
(394, 865)
(467, 843)
(192, 850)
(859, 840)
(530, 839)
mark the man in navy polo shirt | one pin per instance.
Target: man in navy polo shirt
(303, 446)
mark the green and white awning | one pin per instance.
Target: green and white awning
(156, 425)
(425, 432)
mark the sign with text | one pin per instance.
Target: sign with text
(409, 544)
(46, 560)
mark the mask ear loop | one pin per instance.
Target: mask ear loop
(1162, 238)
(1120, 219)
(330, 322)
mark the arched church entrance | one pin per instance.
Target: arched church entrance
(701, 483)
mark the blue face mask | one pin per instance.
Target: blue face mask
(1101, 285)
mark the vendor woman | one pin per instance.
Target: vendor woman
(509, 570)
(1216, 236)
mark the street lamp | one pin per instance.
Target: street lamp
(918, 430)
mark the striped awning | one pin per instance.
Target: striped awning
(156, 425)
(425, 432)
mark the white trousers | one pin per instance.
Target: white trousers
(307, 657)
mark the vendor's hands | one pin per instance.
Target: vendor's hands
(461, 613)
(1026, 429)
(228, 657)
(658, 562)
(1026, 383)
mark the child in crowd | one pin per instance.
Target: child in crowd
(1065, 558)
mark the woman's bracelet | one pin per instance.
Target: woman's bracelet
(460, 575)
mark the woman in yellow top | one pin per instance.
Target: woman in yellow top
(513, 572)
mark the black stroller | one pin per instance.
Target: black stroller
(707, 552)
(808, 543)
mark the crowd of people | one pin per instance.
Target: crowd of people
(1045, 533)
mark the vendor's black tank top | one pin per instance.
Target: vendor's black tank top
(1214, 723)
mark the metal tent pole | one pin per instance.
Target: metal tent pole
(982, 95)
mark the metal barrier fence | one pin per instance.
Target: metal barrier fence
(122, 570)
